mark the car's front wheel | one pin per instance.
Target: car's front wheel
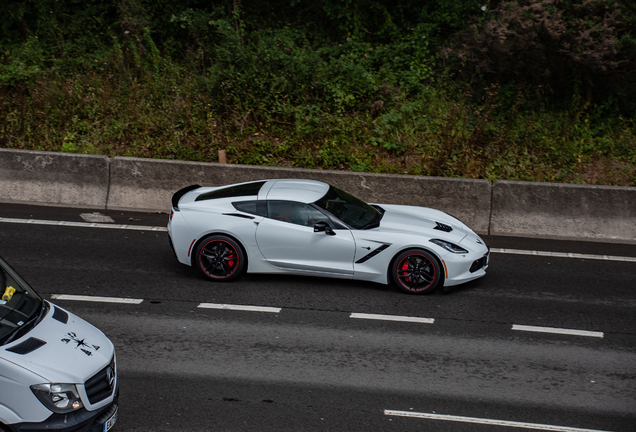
(416, 271)
(219, 258)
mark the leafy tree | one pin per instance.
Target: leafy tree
(571, 51)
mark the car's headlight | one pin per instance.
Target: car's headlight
(451, 247)
(59, 398)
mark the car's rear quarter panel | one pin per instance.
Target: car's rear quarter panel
(205, 220)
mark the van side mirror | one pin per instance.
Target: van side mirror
(323, 226)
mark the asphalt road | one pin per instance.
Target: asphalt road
(312, 366)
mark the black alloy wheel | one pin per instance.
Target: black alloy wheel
(416, 271)
(219, 258)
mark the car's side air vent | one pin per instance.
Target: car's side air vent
(443, 227)
(238, 215)
(372, 254)
(60, 315)
(27, 346)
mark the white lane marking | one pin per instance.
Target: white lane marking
(536, 426)
(392, 318)
(239, 307)
(557, 331)
(96, 217)
(96, 299)
(563, 255)
(353, 314)
(155, 228)
(83, 224)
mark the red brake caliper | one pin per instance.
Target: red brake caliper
(405, 266)
(231, 261)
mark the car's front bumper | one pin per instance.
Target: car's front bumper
(460, 269)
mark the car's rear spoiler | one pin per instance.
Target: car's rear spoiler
(177, 196)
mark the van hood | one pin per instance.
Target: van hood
(420, 220)
(62, 348)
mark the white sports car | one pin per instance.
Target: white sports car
(307, 227)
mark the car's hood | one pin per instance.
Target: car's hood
(420, 220)
(73, 351)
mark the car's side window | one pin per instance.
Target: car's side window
(295, 212)
(254, 207)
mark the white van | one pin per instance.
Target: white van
(57, 372)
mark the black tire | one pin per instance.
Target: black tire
(416, 271)
(219, 258)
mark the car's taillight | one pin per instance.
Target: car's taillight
(171, 214)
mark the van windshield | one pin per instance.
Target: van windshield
(20, 306)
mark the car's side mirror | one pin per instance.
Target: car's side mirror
(323, 226)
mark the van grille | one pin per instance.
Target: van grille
(102, 384)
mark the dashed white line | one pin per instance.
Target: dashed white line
(239, 307)
(392, 318)
(83, 224)
(356, 315)
(96, 299)
(572, 332)
(353, 315)
(563, 255)
(484, 421)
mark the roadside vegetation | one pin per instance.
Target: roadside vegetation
(535, 90)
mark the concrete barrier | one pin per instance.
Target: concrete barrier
(148, 184)
(564, 211)
(549, 210)
(56, 179)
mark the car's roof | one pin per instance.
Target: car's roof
(305, 191)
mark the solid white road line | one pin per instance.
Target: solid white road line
(536, 426)
(163, 229)
(96, 217)
(83, 224)
(563, 255)
(239, 307)
(392, 318)
(96, 299)
(557, 331)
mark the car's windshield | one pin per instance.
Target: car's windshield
(19, 304)
(349, 209)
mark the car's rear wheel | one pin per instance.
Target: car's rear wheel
(416, 271)
(219, 258)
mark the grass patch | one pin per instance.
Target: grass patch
(169, 116)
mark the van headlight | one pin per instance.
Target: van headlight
(59, 398)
